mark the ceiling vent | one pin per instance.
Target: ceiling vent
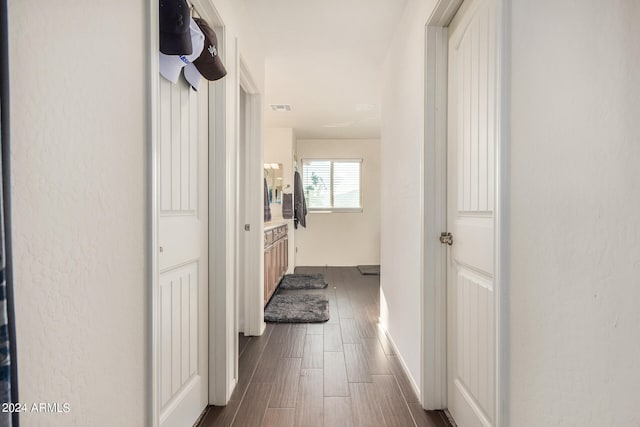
(281, 108)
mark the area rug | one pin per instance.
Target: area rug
(303, 281)
(369, 270)
(297, 309)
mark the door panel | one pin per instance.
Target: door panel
(470, 195)
(183, 258)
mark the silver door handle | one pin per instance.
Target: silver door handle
(446, 238)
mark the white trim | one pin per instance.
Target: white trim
(502, 256)
(221, 369)
(221, 228)
(252, 259)
(153, 113)
(434, 208)
(433, 200)
(398, 355)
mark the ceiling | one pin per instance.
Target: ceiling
(324, 58)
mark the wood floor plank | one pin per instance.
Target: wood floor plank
(376, 359)
(338, 412)
(313, 352)
(345, 311)
(356, 362)
(242, 342)
(267, 366)
(394, 408)
(332, 337)
(285, 388)
(293, 346)
(280, 331)
(315, 328)
(335, 375)
(220, 416)
(350, 334)
(334, 315)
(367, 328)
(279, 417)
(405, 384)
(365, 406)
(310, 406)
(249, 360)
(385, 343)
(253, 406)
(428, 418)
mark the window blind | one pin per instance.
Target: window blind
(332, 184)
(346, 185)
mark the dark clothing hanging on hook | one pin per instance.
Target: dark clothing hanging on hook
(299, 203)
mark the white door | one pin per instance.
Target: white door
(470, 205)
(183, 259)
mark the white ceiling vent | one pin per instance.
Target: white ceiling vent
(281, 108)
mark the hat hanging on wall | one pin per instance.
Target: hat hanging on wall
(174, 27)
(170, 65)
(208, 64)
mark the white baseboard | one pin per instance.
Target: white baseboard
(412, 381)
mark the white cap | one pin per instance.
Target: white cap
(192, 75)
(170, 65)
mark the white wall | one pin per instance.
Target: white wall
(79, 191)
(575, 204)
(401, 142)
(343, 239)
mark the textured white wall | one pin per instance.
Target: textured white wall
(343, 239)
(402, 139)
(575, 202)
(78, 134)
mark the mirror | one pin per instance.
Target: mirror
(273, 175)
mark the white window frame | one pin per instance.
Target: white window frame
(332, 209)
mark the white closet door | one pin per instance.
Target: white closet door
(183, 237)
(470, 192)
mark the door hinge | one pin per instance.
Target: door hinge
(446, 238)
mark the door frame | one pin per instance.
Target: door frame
(251, 259)
(220, 313)
(434, 208)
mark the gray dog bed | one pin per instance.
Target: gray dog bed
(369, 270)
(297, 309)
(303, 281)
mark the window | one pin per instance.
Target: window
(332, 185)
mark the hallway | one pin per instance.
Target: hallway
(341, 373)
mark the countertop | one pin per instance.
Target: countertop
(276, 223)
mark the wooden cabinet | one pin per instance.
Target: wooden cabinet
(276, 250)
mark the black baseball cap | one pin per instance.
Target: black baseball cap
(175, 37)
(209, 63)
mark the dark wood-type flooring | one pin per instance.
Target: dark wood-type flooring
(337, 374)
